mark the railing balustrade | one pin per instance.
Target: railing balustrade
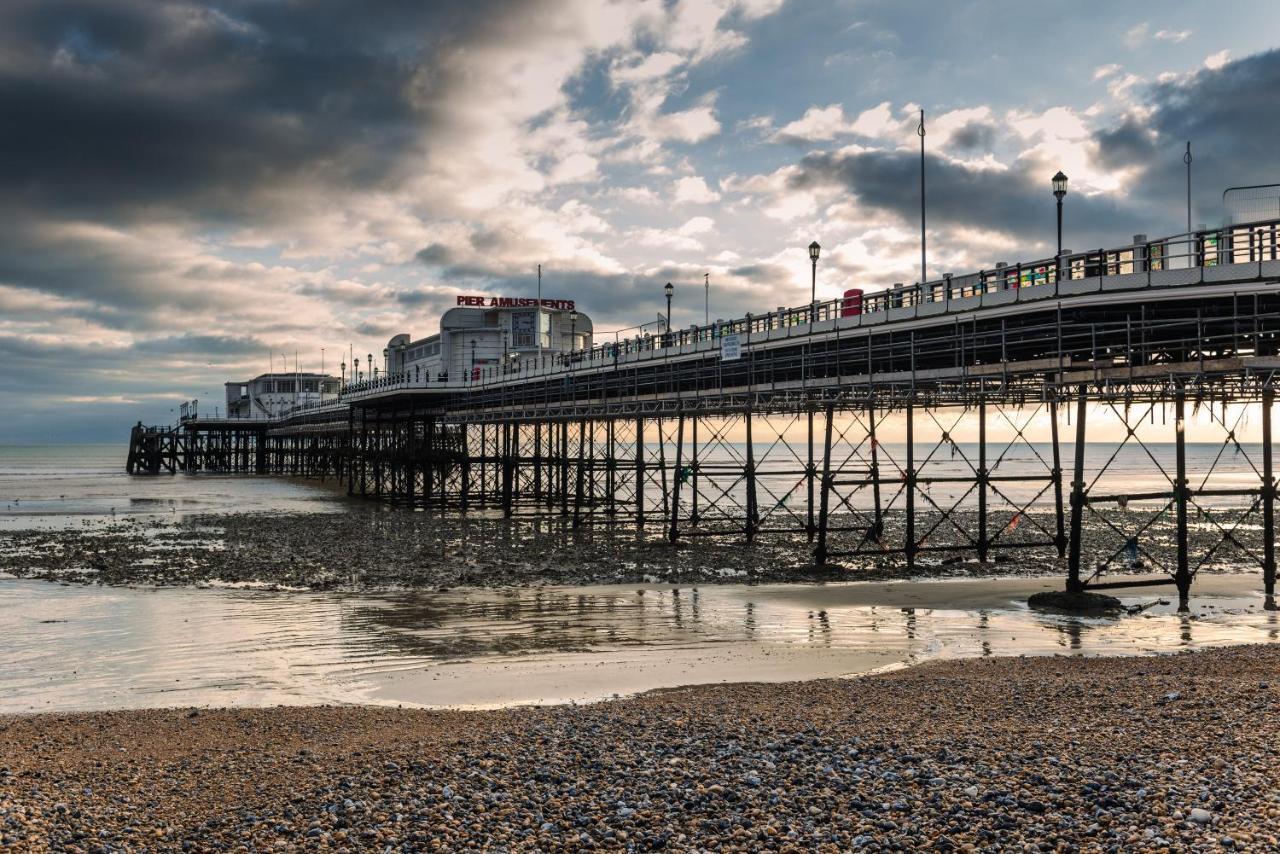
(1241, 243)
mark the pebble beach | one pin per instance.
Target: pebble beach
(1042, 754)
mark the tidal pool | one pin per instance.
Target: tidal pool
(71, 647)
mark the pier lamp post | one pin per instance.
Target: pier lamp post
(370, 369)
(814, 250)
(355, 370)
(573, 331)
(669, 290)
(343, 366)
(1059, 190)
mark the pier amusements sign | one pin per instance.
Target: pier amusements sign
(513, 302)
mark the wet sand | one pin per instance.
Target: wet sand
(1174, 752)
(81, 647)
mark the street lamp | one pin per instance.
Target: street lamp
(814, 249)
(355, 369)
(343, 366)
(370, 368)
(1059, 190)
(573, 331)
(669, 290)
(706, 293)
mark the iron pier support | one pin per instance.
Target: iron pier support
(1268, 499)
(820, 553)
(809, 474)
(1060, 536)
(678, 479)
(877, 532)
(983, 540)
(909, 546)
(1074, 584)
(640, 472)
(1183, 577)
(753, 517)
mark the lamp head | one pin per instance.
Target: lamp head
(669, 289)
(1059, 186)
(814, 249)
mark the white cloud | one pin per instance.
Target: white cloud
(817, 123)
(663, 239)
(694, 190)
(820, 124)
(636, 195)
(1215, 61)
(877, 122)
(1136, 36)
(1104, 71)
(693, 125)
(579, 218)
(1175, 36)
(698, 225)
(639, 68)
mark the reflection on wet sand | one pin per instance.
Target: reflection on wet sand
(96, 647)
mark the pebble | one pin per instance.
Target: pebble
(951, 755)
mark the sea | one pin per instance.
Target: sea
(67, 485)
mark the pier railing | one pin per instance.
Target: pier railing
(1203, 256)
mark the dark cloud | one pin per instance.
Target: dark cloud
(1013, 201)
(1129, 143)
(115, 109)
(760, 272)
(201, 346)
(437, 254)
(1229, 115)
(974, 136)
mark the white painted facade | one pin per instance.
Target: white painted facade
(472, 339)
(272, 395)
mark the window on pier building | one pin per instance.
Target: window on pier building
(522, 328)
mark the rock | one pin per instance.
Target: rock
(1200, 816)
(1059, 601)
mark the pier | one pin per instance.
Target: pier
(772, 425)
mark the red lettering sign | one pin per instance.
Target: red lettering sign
(515, 302)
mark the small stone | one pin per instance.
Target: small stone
(1200, 816)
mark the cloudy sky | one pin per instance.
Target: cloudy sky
(188, 188)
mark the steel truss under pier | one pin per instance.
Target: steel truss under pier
(968, 484)
(1051, 430)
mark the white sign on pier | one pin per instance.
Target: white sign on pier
(730, 347)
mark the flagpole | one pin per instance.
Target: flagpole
(923, 267)
(1186, 158)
